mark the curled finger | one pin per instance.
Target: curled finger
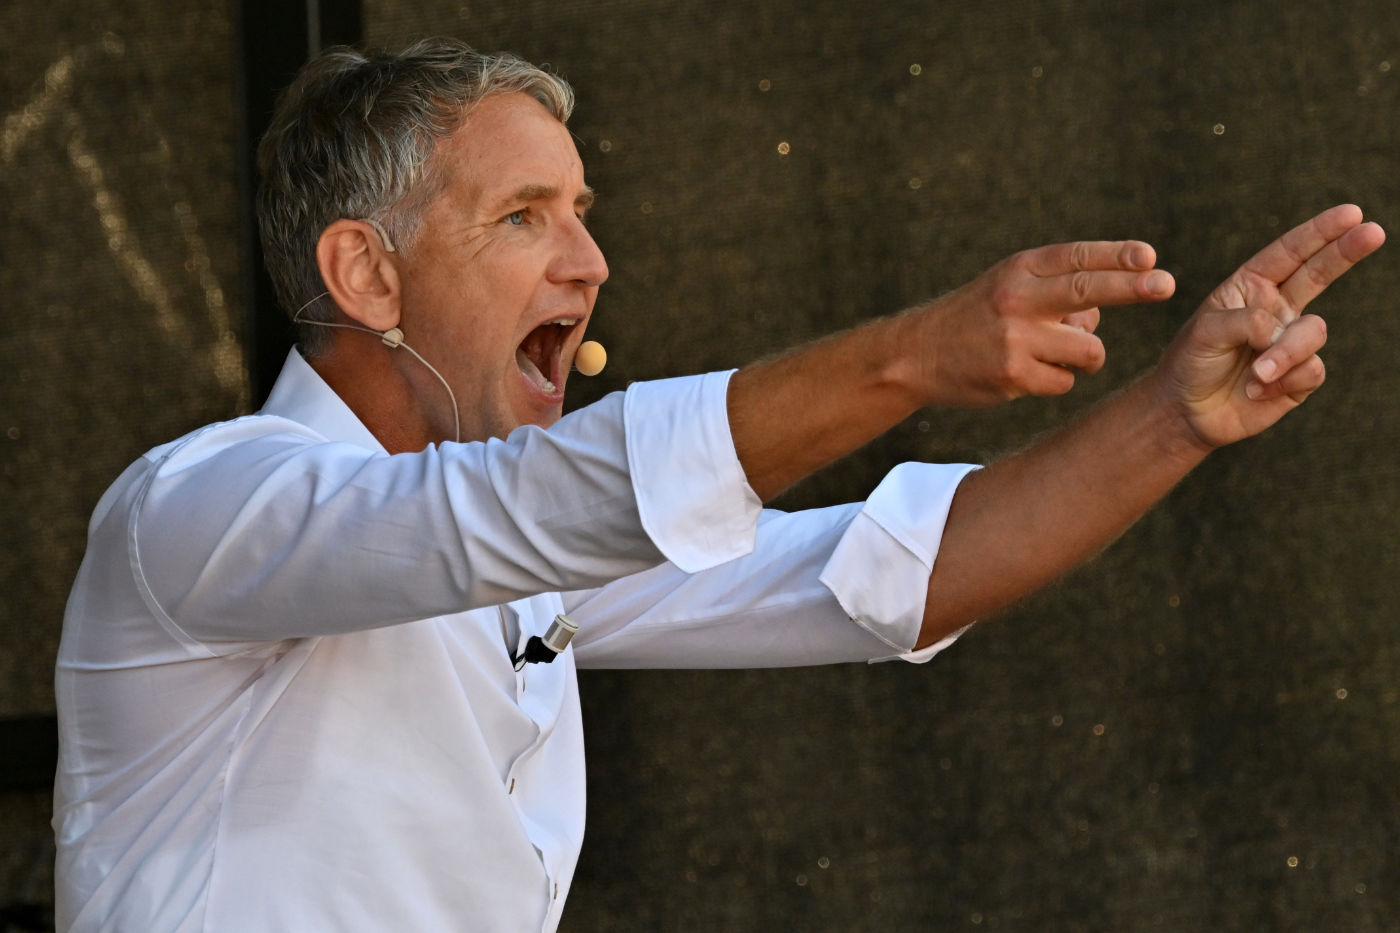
(1066, 345)
(1298, 383)
(1289, 346)
(1086, 320)
(1226, 329)
(1039, 378)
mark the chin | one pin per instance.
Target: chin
(548, 420)
(538, 418)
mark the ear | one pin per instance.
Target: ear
(358, 273)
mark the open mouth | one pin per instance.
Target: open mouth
(540, 353)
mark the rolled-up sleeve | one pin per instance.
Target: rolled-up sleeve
(844, 583)
(879, 571)
(693, 497)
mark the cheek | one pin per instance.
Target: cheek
(484, 297)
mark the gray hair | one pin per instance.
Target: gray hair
(353, 137)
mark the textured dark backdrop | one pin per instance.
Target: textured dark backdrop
(119, 269)
(1200, 730)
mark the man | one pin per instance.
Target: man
(292, 689)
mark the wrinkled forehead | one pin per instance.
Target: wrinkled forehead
(508, 142)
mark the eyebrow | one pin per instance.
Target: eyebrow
(585, 198)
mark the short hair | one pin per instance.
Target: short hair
(353, 137)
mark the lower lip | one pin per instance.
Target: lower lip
(535, 390)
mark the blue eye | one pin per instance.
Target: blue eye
(516, 219)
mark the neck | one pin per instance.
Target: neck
(374, 383)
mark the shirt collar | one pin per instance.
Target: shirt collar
(301, 395)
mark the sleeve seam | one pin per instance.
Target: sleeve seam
(138, 572)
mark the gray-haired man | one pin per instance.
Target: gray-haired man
(291, 686)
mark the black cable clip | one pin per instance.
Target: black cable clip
(544, 650)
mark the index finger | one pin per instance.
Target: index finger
(1090, 256)
(1284, 256)
(1329, 264)
(1070, 292)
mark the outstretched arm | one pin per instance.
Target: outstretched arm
(1247, 357)
(1024, 327)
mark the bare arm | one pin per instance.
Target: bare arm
(1021, 328)
(1246, 358)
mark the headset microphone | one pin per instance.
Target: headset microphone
(590, 358)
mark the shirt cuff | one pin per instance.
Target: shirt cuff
(879, 571)
(693, 497)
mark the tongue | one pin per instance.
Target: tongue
(531, 368)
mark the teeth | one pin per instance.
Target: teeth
(532, 372)
(537, 343)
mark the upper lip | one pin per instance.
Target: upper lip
(568, 319)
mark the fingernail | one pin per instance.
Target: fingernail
(1254, 390)
(1158, 281)
(1265, 370)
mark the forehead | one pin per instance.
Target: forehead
(507, 143)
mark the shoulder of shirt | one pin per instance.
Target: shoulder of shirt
(203, 445)
(210, 440)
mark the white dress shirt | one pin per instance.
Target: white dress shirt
(285, 690)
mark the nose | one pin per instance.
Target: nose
(579, 258)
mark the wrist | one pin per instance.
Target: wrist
(1172, 421)
(910, 352)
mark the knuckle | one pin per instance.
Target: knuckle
(1006, 297)
(1081, 286)
(1263, 324)
(1014, 375)
(1012, 267)
(1079, 255)
(1005, 387)
(1094, 356)
(1128, 256)
(1016, 344)
(1058, 382)
(1318, 325)
(1316, 274)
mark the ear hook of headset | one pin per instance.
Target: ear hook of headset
(383, 235)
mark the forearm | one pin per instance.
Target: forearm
(1024, 327)
(1022, 522)
(792, 415)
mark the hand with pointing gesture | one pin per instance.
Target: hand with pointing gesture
(1249, 355)
(1026, 325)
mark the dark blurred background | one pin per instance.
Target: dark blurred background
(1199, 730)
